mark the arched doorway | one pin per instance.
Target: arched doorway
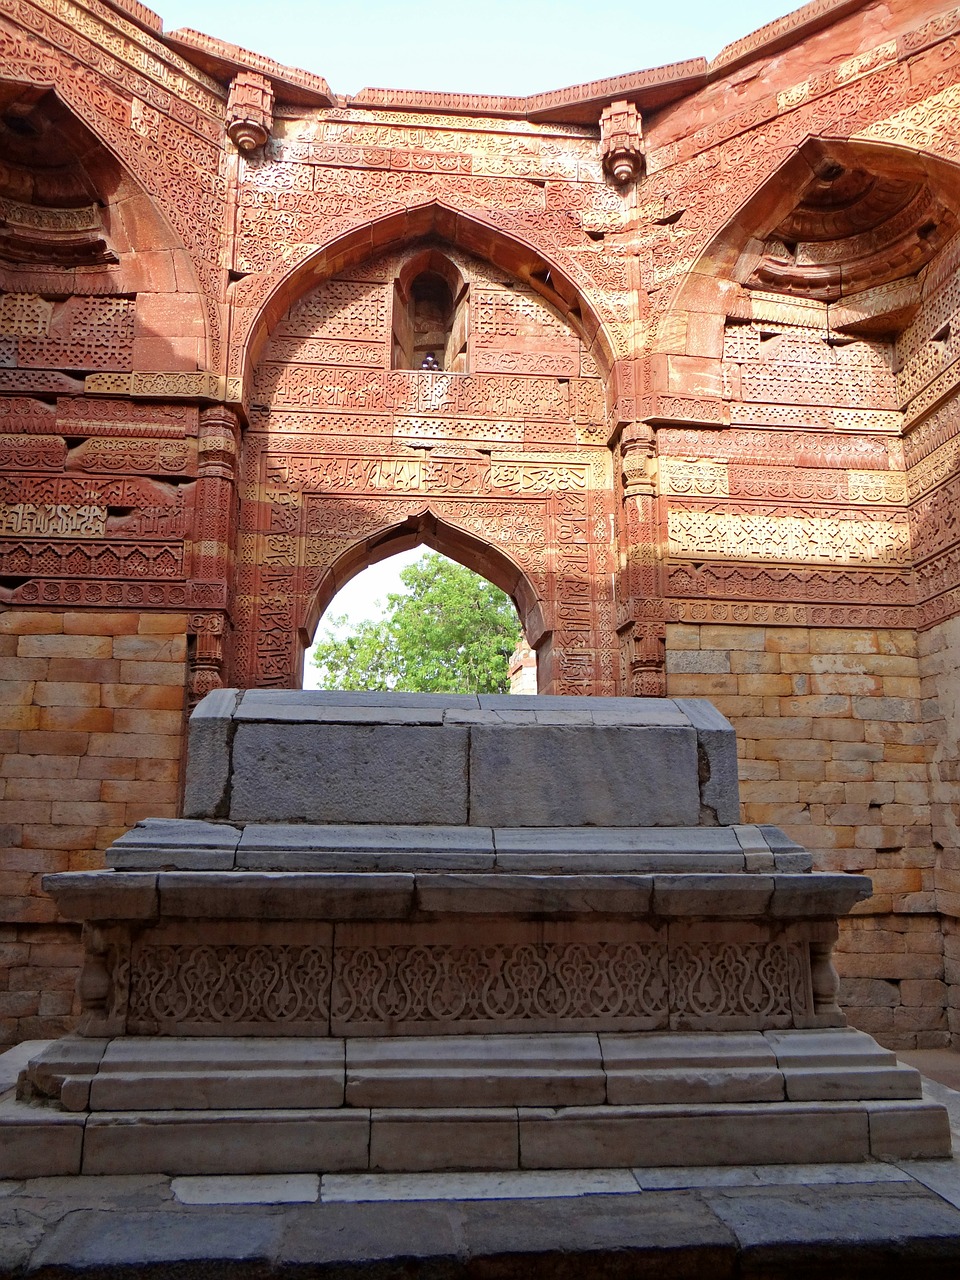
(425, 531)
(420, 621)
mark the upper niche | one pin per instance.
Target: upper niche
(429, 326)
(50, 210)
(854, 226)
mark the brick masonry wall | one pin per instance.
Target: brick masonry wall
(91, 725)
(835, 750)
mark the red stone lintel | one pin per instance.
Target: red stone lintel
(693, 411)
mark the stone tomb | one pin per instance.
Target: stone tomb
(404, 932)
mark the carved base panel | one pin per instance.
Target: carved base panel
(389, 979)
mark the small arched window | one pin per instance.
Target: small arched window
(430, 325)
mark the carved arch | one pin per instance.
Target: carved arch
(494, 238)
(892, 214)
(77, 216)
(426, 529)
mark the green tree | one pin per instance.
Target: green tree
(450, 631)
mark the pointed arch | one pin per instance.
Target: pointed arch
(493, 237)
(427, 529)
(920, 221)
(81, 215)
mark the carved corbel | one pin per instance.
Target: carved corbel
(621, 142)
(249, 110)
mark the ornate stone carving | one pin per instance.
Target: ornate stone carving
(249, 110)
(621, 142)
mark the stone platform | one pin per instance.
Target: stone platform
(870, 1220)
(402, 932)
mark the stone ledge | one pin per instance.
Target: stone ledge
(193, 845)
(381, 895)
(35, 1143)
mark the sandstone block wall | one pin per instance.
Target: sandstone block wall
(836, 747)
(91, 722)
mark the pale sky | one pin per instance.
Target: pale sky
(496, 46)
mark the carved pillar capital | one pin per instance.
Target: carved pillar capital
(621, 142)
(638, 460)
(218, 445)
(249, 110)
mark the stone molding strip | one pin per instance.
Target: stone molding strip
(156, 844)
(403, 896)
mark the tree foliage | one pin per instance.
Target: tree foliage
(450, 631)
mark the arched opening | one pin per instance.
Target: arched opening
(92, 276)
(486, 562)
(341, 448)
(420, 622)
(558, 280)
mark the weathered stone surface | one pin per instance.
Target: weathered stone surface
(729, 896)
(212, 1073)
(305, 846)
(251, 1141)
(157, 843)
(265, 895)
(36, 1142)
(104, 895)
(277, 1188)
(627, 1136)
(372, 773)
(690, 1068)
(504, 894)
(717, 760)
(210, 739)
(490, 1071)
(522, 777)
(464, 1138)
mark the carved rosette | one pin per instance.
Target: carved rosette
(621, 142)
(249, 110)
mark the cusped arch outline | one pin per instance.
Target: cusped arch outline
(494, 238)
(427, 529)
(133, 202)
(713, 279)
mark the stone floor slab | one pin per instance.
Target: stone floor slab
(768, 1175)
(522, 1184)
(88, 1239)
(941, 1176)
(277, 1188)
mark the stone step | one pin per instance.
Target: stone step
(189, 845)
(132, 1073)
(38, 1143)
